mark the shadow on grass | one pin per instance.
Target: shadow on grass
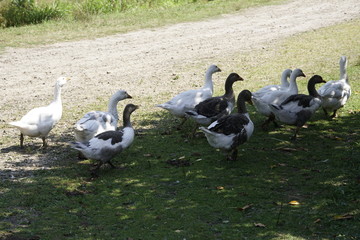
(173, 187)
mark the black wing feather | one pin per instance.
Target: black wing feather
(115, 136)
(230, 124)
(212, 107)
(302, 99)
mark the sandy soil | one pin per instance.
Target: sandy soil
(142, 62)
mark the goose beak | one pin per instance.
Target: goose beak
(323, 81)
(128, 96)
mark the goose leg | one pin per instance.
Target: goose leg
(296, 132)
(182, 123)
(265, 125)
(112, 165)
(325, 112)
(334, 114)
(44, 142)
(21, 140)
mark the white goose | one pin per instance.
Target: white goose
(95, 122)
(335, 94)
(38, 122)
(276, 97)
(187, 100)
(106, 145)
(213, 108)
(269, 88)
(297, 109)
(228, 132)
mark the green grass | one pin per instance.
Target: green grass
(203, 195)
(99, 25)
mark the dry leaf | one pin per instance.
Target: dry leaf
(317, 220)
(147, 155)
(343, 217)
(245, 207)
(220, 188)
(259, 225)
(294, 203)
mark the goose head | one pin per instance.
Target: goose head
(297, 73)
(120, 95)
(129, 108)
(233, 77)
(213, 69)
(316, 79)
(61, 81)
(244, 96)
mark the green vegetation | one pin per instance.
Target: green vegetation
(182, 188)
(172, 187)
(89, 19)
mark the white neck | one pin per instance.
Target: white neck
(208, 81)
(57, 94)
(343, 66)
(112, 107)
(293, 88)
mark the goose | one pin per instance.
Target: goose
(297, 109)
(213, 108)
(335, 94)
(38, 122)
(269, 88)
(106, 145)
(229, 131)
(276, 97)
(187, 100)
(95, 122)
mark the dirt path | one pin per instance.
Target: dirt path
(141, 61)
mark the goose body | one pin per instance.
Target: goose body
(95, 122)
(187, 100)
(335, 94)
(276, 97)
(269, 88)
(297, 109)
(38, 122)
(213, 108)
(106, 145)
(228, 132)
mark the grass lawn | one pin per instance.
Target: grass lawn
(172, 187)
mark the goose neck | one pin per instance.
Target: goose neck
(208, 80)
(126, 119)
(112, 107)
(241, 105)
(57, 94)
(312, 90)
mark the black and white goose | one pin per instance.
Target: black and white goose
(213, 108)
(276, 97)
(269, 88)
(106, 145)
(95, 122)
(187, 100)
(335, 94)
(298, 108)
(228, 132)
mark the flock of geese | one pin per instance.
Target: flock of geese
(98, 138)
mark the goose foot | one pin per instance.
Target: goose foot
(334, 115)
